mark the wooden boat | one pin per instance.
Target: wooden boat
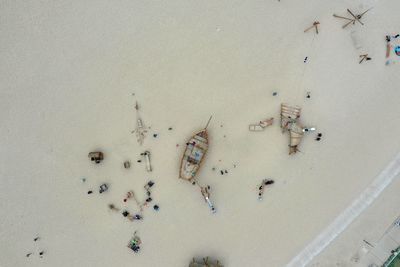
(289, 122)
(204, 263)
(196, 149)
(192, 158)
(296, 134)
(289, 114)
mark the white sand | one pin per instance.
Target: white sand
(67, 73)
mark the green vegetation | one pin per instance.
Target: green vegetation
(393, 260)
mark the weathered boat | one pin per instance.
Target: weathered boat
(289, 122)
(296, 134)
(192, 158)
(204, 263)
(196, 149)
(289, 115)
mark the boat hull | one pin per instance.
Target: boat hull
(193, 156)
(289, 122)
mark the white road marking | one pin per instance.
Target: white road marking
(391, 171)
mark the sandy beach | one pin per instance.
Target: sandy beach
(71, 73)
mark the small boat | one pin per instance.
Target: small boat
(204, 263)
(289, 115)
(261, 125)
(290, 122)
(296, 134)
(194, 154)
